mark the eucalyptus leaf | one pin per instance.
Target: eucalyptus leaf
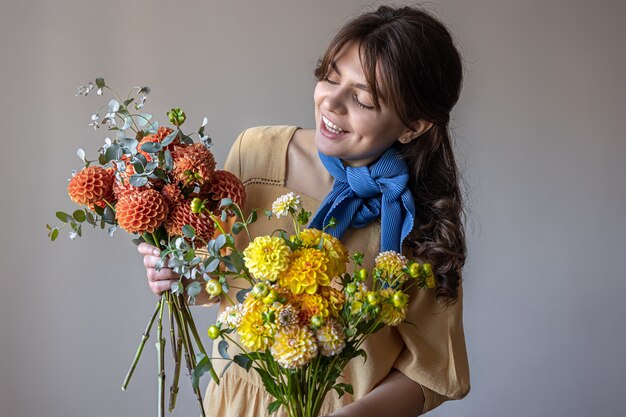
(139, 167)
(90, 219)
(188, 231)
(130, 143)
(252, 217)
(237, 227)
(128, 122)
(203, 365)
(141, 158)
(100, 82)
(64, 217)
(220, 242)
(212, 266)
(109, 215)
(138, 180)
(170, 138)
(226, 202)
(81, 154)
(151, 166)
(143, 119)
(128, 101)
(169, 161)
(159, 173)
(222, 348)
(241, 294)
(194, 289)
(151, 147)
(112, 230)
(114, 106)
(54, 235)
(224, 215)
(243, 360)
(79, 216)
(113, 152)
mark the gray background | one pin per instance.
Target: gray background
(539, 132)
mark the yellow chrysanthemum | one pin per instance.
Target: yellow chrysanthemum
(390, 264)
(331, 338)
(356, 299)
(306, 272)
(309, 305)
(334, 298)
(253, 333)
(336, 252)
(294, 347)
(391, 315)
(266, 257)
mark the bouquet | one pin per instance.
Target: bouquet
(303, 317)
(143, 181)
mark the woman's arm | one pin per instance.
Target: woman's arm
(396, 396)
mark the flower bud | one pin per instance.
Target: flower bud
(260, 290)
(214, 332)
(351, 288)
(270, 297)
(361, 275)
(213, 287)
(373, 298)
(196, 205)
(400, 299)
(177, 116)
(428, 269)
(414, 270)
(317, 321)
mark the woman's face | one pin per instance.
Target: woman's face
(347, 125)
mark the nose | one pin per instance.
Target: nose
(335, 100)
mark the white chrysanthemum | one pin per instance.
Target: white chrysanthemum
(231, 316)
(294, 347)
(286, 316)
(286, 203)
(331, 338)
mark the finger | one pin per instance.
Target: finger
(152, 262)
(147, 249)
(162, 275)
(158, 287)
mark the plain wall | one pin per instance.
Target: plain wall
(540, 137)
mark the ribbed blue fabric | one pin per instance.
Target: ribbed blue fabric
(360, 195)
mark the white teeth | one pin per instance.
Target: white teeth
(331, 126)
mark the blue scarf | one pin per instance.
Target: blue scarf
(360, 195)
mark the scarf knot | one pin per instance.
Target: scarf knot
(362, 194)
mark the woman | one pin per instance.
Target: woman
(385, 90)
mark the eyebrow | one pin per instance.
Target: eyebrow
(357, 85)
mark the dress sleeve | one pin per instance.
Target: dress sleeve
(434, 354)
(233, 160)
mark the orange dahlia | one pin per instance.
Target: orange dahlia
(172, 195)
(225, 185)
(161, 134)
(182, 215)
(141, 211)
(91, 185)
(195, 163)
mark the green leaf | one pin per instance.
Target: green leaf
(170, 138)
(343, 387)
(193, 289)
(54, 235)
(203, 365)
(225, 368)
(100, 82)
(128, 101)
(188, 231)
(113, 152)
(243, 360)
(169, 161)
(212, 266)
(79, 216)
(220, 242)
(108, 216)
(138, 180)
(237, 227)
(268, 382)
(151, 147)
(139, 167)
(141, 159)
(159, 173)
(64, 217)
(252, 217)
(274, 406)
(222, 348)
(90, 219)
(241, 294)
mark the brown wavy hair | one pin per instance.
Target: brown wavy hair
(410, 62)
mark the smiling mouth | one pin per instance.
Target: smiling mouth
(331, 127)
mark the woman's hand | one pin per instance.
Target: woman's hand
(158, 281)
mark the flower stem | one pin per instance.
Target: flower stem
(144, 338)
(160, 345)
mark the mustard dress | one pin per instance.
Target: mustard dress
(431, 353)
